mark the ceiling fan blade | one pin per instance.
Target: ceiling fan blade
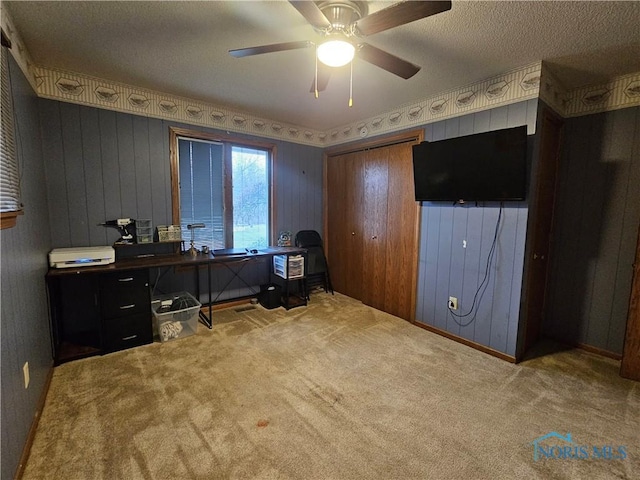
(311, 12)
(387, 61)
(276, 47)
(399, 14)
(324, 74)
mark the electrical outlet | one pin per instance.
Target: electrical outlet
(25, 371)
(453, 303)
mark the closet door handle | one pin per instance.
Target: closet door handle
(353, 234)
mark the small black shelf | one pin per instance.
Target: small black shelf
(293, 301)
(296, 296)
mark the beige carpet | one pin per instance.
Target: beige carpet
(335, 390)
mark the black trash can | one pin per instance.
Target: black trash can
(270, 295)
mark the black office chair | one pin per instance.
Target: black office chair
(317, 266)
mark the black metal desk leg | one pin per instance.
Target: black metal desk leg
(203, 318)
(210, 301)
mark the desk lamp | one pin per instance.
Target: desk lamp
(192, 250)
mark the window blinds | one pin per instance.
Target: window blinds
(202, 190)
(9, 177)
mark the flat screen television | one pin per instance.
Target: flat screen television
(489, 166)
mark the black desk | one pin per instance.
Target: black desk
(235, 263)
(86, 305)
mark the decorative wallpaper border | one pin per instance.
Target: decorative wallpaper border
(532, 81)
(622, 92)
(552, 91)
(511, 87)
(86, 90)
(20, 53)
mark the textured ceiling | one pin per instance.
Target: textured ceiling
(181, 48)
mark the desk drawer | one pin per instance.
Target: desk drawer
(124, 293)
(127, 332)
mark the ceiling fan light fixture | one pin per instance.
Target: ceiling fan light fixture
(336, 53)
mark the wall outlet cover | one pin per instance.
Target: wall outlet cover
(453, 303)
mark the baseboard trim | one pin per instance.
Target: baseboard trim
(34, 425)
(599, 351)
(587, 348)
(468, 343)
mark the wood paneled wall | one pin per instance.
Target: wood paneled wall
(25, 320)
(102, 165)
(446, 268)
(298, 180)
(596, 224)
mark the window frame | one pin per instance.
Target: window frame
(8, 218)
(175, 133)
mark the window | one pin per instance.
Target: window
(10, 205)
(250, 187)
(224, 184)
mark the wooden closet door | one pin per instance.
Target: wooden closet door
(402, 234)
(376, 188)
(630, 365)
(345, 228)
(372, 224)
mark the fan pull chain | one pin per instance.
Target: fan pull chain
(316, 82)
(351, 86)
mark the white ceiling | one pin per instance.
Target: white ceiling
(182, 48)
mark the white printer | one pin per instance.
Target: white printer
(81, 256)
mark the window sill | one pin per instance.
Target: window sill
(9, 219)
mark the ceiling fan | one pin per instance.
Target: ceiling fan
(342, 23)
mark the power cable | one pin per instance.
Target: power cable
(485, 279)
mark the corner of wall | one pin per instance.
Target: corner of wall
(621, 92)
(18, 49)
